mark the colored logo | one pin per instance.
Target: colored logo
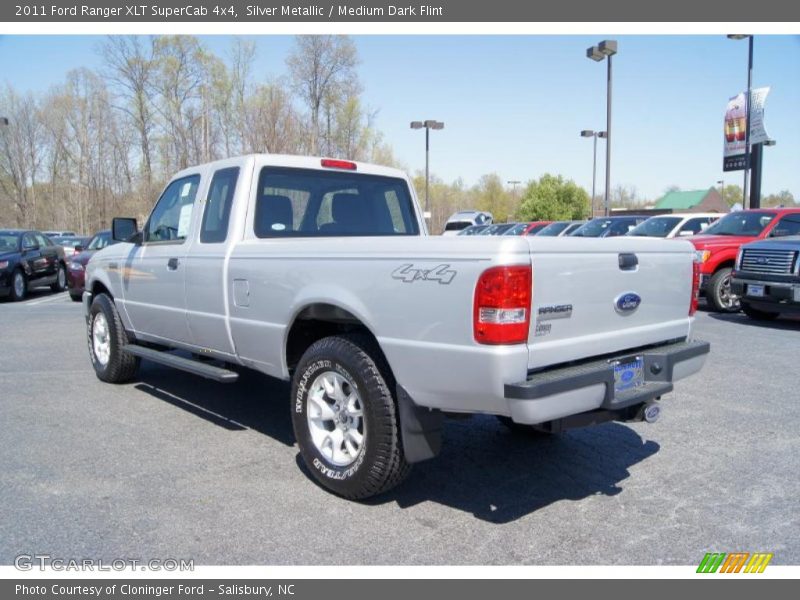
(735, 562)
(626, 303)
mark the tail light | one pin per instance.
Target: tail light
(695, 288)
(502, 309)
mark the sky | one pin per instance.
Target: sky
(515, 105)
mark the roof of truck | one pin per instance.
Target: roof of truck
(299, 162)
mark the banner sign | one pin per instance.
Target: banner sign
(734, 155)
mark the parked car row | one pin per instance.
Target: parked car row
(32, 259)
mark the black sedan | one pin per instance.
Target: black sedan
(29, 259)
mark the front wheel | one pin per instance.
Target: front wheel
(758, 315)
(345, 418)
(19, 286)
(720, 295)
(60, 283)
(107, 340)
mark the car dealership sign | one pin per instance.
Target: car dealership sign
(734, 153)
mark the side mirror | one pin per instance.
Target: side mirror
(123, 228)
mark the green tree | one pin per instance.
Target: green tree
(552, 198)
(731, 194)
(782, 198)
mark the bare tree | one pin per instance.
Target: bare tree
(318, 65)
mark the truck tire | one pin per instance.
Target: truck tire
(758, 315)
(719, 292)
(345, 417)
(60, 283)
(107, 338)
(530, 430)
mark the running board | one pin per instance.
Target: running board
(183, 364)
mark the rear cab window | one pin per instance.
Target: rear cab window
(296, 202)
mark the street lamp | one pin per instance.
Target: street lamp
(428, 125)
(749, 38)
(721, 184)
(606, 49)
(593, 134)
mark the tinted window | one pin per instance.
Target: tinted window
(43, 241)
(28, 241)
(172, 215)
(9, 242)
(100, 241)
(517, 229)
(695, 225)
(308, 202)
(457, 225)
(741, 223)
(536, 229)
(656, 227)
(788, 225)
(218, 207)
(553, 229)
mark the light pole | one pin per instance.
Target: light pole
(606, 49)
(749, 39)
(428, 125)
(593, 134)
(721, 184)
(758, 167)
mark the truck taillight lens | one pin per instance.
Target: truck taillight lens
(695, 288)
(502, 309)
(333, 163)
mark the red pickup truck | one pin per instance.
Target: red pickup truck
(718, 246)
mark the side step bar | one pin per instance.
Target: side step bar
(183, 364)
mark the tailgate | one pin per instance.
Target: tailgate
(598, 296)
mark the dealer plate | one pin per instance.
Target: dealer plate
(628, 373)
(756, 291)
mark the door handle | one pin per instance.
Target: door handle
(172, 264)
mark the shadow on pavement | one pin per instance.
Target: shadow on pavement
(484, 469)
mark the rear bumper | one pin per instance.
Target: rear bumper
(589, 386)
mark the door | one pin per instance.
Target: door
(154, 272)
(49, 252)
(34, 264)
(205, 267)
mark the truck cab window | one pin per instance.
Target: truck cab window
(172, 216)
(214, 229)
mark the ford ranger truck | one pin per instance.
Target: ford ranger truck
(717, 247)
(321, 272)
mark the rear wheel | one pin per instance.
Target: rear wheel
(107, 340)
(19, 286)
(719, 293)
(758, 315)
(345, 417)
(61, 280)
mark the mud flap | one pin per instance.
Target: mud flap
(420, 428)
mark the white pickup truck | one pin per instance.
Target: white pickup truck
(321, 272)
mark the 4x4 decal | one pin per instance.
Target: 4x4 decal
(410, 273)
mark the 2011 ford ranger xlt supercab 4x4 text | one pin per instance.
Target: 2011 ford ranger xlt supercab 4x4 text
(321, 272)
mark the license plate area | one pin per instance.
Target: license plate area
(628, 372)
(756, 291)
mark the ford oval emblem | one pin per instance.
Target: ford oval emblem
(627, 303)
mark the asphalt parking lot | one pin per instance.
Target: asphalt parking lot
(172, 466)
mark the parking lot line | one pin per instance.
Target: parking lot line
(47, 300)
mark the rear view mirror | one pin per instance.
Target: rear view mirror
(123, 228)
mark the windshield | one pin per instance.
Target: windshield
(9, 242)
(553, 230)
(741, 223)
(517, 229)
(656, 227)
(100, 241)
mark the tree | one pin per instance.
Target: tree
(625, 197)
(552, 198)
(321, 66)
(782, 198)
(731, 194)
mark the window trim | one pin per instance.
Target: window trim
(176, 242)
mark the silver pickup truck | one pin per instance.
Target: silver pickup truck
(321, 272)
